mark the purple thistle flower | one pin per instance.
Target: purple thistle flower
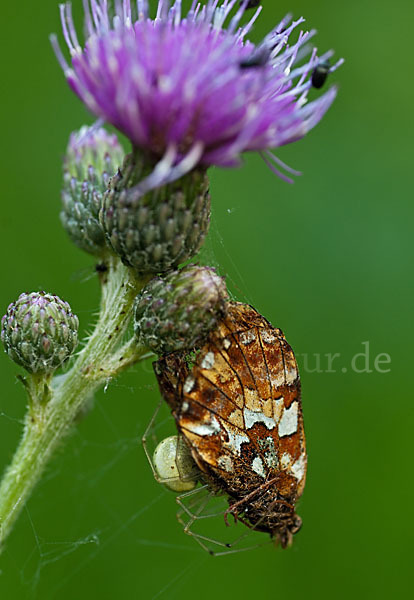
(189, 91)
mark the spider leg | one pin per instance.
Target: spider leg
(233, 507)
(195, 516)
(237, 550)
(144, 440)
(183, 507)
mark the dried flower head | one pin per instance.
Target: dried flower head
(192, 89)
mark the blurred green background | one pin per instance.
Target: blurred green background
(328, 260)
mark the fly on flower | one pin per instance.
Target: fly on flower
(237, 406)
(172, 83)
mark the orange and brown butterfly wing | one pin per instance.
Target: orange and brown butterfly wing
(239, 407)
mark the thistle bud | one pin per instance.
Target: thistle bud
(154, 230)
(39, 332)
(177, 311)
(174, 464)
(92, 157)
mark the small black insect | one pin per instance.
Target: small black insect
(251, 4)
(258, 58)
(101, 268)
(320, 74)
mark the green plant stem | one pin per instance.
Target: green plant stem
(128, 355)
(48, 423)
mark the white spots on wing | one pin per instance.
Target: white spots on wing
(268, 336)
(236, 439)
(298, 469)
(247, 337)
(278, 406)
(210, 427)
(188, 384)
(251, 417)
(289, 421)
(286, 460)
(208, 361)
(270, 453)
(226, 343)
(225, 462)
(185, 406)
(271, 459)
(258, 467)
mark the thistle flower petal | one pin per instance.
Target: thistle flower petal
(193, 83)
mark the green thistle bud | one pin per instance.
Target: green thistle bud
(92, 157)
(39, 332)
(177, 311)
(174, 465)
(154, 231)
